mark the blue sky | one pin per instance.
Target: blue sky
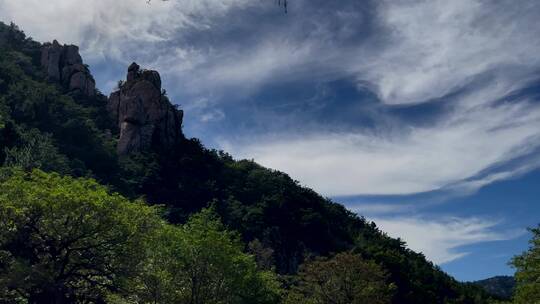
(423, 116)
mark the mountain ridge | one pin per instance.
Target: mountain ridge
(128, 152)
(500, 286)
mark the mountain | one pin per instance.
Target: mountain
(53, 118)
(500, 286)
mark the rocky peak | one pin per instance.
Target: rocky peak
(64, 65)
(144, 115)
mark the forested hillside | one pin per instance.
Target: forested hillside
(83, 223)
(502, 286)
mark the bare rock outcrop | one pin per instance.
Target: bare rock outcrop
(145, 116)
(64, 65)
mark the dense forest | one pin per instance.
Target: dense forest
(502, 286)
(81, 223)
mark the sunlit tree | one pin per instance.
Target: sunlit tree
(66, 240)
(202, 263)
(344, 279)
(528, 272)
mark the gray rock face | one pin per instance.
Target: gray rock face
(64, 64)
(145, 116)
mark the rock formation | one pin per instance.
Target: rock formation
(144, 114)
(64, 65)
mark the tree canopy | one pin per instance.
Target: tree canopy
(343, 279)
(528, 271)
(69, 240)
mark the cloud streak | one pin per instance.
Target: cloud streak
(442, 240)
(457, 149)
(225, 51)
(440, 46)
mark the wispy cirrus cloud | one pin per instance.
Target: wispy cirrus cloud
(436, 47)
(410, 52)
(442, 239)
(458, 149)
(117, 29)
(430, 50)
(406, 53)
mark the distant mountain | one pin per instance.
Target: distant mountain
(500, 286)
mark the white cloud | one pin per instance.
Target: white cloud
(424, 50)
(117, 28)
(73, 21)
(441, 239)
(213, 115)
(379, 209)
(461, 146)
(420, 50)
(438, 46)
(434, 48)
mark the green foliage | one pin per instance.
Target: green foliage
(263, 255)
(500, 286)
(36, 150)
(528, 272)
(344, 279)
(202, 263)
(72, 240)
(215, 267)
(259, 203)
(417, 280)
(68, 239)
(12, 38)
(3, 113)
(76, 128)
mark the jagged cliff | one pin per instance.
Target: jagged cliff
(64, 64)
(144, 115)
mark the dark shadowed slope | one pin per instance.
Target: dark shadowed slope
(501, 286)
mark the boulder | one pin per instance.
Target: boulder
(50, 60)
(133, 71)
(80, 82)
(64, 65)
(71, 55)
(146, 118)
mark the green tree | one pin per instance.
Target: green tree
(528, 272)
(344, 279)
(202, 263)
(66, 240)
(36, 151)
(263, 255)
